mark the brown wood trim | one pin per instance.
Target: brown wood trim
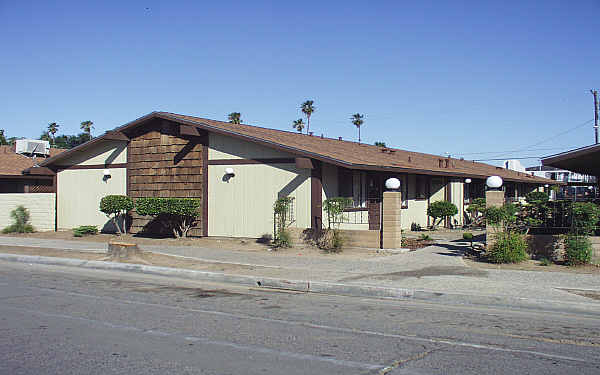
(304, 163)
(356, 209)
(205, 163)
(55, 183)
(116, 136)
(91, 166)
(24, 177)
(316, 196)
(189, 130)
(39, 171)
(252, 161)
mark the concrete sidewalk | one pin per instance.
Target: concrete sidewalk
(435, 270)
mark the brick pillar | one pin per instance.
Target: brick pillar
(392, 230)
(493, 198)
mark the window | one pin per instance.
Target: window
(422, 187)
(352, 184)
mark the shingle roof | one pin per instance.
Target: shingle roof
(345, 153)
(14, 164)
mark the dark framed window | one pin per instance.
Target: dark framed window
(422, 187)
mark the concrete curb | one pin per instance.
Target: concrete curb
(322, 287)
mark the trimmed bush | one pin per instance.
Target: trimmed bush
(510, 247)
(536, 197)
(440, 210)
(331, 240)
(578, 250)
(116, 207)
(284, 239)
(85, 230)
(20, 216)
(468, 236)
(586, 216)
(178, 215)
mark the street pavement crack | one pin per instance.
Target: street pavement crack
(402, 362)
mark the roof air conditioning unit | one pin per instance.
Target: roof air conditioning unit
(32, 146)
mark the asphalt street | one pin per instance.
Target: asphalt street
(61, 320)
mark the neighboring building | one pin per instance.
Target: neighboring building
(514, 165)
(562, 175)
(170, 155)
(579, 167)
(12, 164)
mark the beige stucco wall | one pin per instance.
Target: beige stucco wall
(79, 194)
(40, 206)
(104, 152)
(222, 147)
(417, 208)
(457, 197)
(242, 206)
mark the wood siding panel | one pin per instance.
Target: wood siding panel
(164, 164)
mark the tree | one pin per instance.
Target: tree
(3, 140)
(52, 129)
(298, 125)
(70, 141)
(177, 215)
(308, 108)
(116, 207)
(235, 118)
(380, 144)
(440, 210)
(45, 136)
(358, 120)
(87, 127)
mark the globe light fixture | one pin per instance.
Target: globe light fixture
(228, 170)
(392, 183)
(106, 172)
(467, 180)
(494, 182)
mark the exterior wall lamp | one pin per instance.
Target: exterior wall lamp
(105, 175)
(467, 180)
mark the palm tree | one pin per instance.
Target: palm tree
(380, 144)
(358, 120)
(87, 127)
(307, 108)
(235, 117)
(52, 129)
(298, 125)
(3, 140)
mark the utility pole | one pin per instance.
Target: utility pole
(595, 93)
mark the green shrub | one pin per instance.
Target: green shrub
(476, 211)
(578, 250)
(536, 197)
(440, 210)
(116, 207)
(586, 216)
(284, 239)
(85, 230)
(20, 216)
(424, 237)
(334, 208)
(178, 215)
(468, 236)
(282, 213)
(510, 247)
(545, 262)
(331, 240)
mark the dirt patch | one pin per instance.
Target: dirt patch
(237, 244)
(423, 272)
(415, 243)
(149, 258)
(533, 265)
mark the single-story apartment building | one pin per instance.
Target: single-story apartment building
(238, 171)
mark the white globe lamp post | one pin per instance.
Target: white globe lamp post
(392, 183)
(494, 182)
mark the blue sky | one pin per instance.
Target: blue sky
(461, 77)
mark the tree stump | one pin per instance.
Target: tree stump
(124, 252)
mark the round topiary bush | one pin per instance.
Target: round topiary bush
(441, 209)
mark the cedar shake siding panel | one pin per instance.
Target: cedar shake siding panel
(164, 164)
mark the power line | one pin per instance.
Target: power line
(496, 152)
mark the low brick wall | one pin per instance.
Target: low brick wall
(353, 238)
(41, 207)
(552, 246)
